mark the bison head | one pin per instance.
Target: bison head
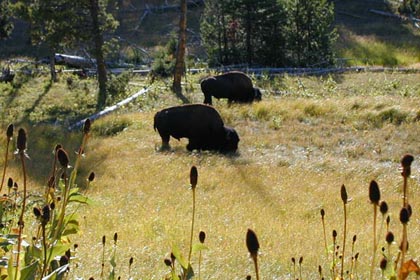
(257, 94)
(231, 140)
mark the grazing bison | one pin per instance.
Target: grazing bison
(201, 124)
(235, 86)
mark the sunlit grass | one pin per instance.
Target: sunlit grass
(295, 153)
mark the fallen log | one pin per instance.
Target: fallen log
(110, 109)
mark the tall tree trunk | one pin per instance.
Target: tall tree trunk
(180, 54)
(52, 67)
(99, 55)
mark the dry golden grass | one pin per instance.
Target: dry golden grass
(307, 138)
(296, 151)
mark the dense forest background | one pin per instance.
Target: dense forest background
(268, 33)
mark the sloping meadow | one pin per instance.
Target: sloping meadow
(307, 139)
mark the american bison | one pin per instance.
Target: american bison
(200, 123)
(235, 86)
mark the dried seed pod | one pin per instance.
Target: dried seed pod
(86, 126)
(46, 214)
(354, 238)
(103, 240)
(37, 212)
(63, 158)
(10, 183)
(252, 243)
(407, 160)
(383, 264)
(344, 196)
(193, 177)
(115, 237)
(91, 176)
(202, 236)
(374, 192)
(383, 207)
(389, 237)
(21, 140)
(9, 132)
(168, 262)
(322, 213)
(404, 216)
(130, 262)
(406, 165)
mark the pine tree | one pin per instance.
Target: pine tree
(310, 33)
(6, 25)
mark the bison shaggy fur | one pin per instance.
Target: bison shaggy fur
(235, 86)
(200, 123)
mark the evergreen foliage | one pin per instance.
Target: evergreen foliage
(268, 32)
(6, 25)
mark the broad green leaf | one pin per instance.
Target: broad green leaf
(11, 269)
(77, 197)
(57, 250)
(28, 272)
(179, 257)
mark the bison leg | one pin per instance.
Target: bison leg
(165, 142)
(207, 99)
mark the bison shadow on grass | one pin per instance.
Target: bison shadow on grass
(235, 86)
(200, 124)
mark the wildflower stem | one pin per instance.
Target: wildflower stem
(20, 223)
(192, 226)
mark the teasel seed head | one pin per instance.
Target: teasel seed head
(21, 140)
(58, 146)
(9, 132)
(344, 196)
(252, 243)
(46, 214)
(202, 236)
(10, 183)
(91, 176)
(300, 260)
(37, 212)
(168, 262)
(63, 157)
(354, 238)
(383, 264)
(383, 207)
(131, 261)
(389, 237)
(322, 213)
(115, 238)
(374, 192)
(193, 177)
(404, 216)
(334, 234)
(293, 260)
(86, 126)
(406, 165)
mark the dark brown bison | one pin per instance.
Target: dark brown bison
(201, 124)
(235, 86)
